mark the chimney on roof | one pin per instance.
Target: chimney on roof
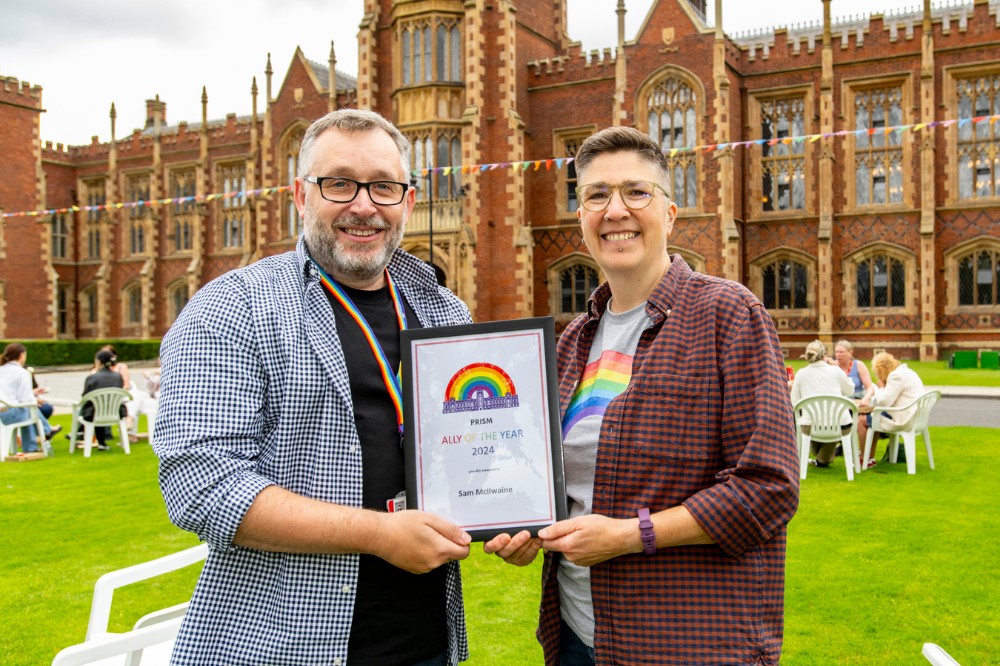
(154, 107)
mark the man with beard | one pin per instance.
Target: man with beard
(280, 425)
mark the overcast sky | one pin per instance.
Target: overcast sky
(86, 55)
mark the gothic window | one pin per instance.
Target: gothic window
(137, 190)
(448, 54)
(672, 109)
(878, 156)
(64, 302)
(978, 143)
(785, 285)
(234, 184)
(88, 305)
(93, 240)
(567, 146)
(782, 158)
(293, 223)
(182, 190)
(60, 236)
(133, 304)
(423, 159)
(177, 298)
(979, 278)
(449, 152)
(880, 282)
(576, 284)
(95, 199)
(407, 57)
(431, 51)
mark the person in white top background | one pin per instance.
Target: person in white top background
(897, 385)
(820, 378)
(15, 388)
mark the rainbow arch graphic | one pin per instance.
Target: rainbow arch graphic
(479, 386)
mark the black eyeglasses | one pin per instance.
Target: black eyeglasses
(344, 190)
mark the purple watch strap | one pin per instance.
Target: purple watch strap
(646, 532)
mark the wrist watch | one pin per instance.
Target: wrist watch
(646, 532)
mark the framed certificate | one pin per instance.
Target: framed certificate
(482, 436)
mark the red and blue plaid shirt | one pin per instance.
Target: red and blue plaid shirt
(705, 422)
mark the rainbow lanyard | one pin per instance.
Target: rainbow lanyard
(389, 378)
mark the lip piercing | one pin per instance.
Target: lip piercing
(621, 249)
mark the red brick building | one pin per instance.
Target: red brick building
(887, 233)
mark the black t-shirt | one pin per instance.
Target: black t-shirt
(399, 617)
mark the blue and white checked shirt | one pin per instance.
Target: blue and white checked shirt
(255, 392)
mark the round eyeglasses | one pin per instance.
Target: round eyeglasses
(635, 194)
(344, 190)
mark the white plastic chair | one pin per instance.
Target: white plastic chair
(937, 656)
(107, 402)
(8, 431)
(827, 413)
(153, 629)
(917, 426)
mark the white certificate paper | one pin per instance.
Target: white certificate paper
(481, 425)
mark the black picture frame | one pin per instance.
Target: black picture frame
(482, 452)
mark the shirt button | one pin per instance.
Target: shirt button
(353, 448)
(338, 661)
(345, 589)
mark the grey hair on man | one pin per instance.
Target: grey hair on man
(351, 120)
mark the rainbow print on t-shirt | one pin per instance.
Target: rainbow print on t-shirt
(602, 380)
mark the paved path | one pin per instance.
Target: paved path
(959, 405)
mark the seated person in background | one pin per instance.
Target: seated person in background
(152, 376)
(897, 386)
(104, 377)
(15, 388)
(843, 352)
(820, 378)
(44, 408)
(131, 406)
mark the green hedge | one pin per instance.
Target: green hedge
(48, 353)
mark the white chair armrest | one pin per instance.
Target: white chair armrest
(112, 645)
(100, 609)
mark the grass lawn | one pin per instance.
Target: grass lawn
(933, 373)
(875, 567)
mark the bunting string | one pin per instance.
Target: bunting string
(533, 165)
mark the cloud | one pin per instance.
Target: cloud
(27, 23)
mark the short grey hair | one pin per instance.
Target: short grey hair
(845, 344)
(352, 120)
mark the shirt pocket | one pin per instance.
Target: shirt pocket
(673, 418)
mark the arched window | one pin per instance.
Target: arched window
(785, 285)
(576, 284)
(978, 143)
(177, 298)
(784, 280)
(290, 167)
(60, 236)
(405, 47)
(233, 213)
(132, 304)
(979, 278)
(880, 282)
(783, 182)
(423, 158)
(88, 306)
(878, 158)
(672, 112)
